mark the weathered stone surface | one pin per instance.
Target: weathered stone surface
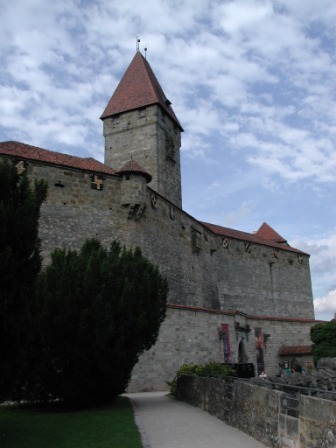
(317, 422)
(154, 141)
(320, 383)
(327, 363)
(265, 414)
(192, 336)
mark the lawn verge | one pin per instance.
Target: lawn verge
(110, 426)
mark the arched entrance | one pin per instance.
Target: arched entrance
(242, 354)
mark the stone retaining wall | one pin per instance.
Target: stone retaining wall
(270, 416)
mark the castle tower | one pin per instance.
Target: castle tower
(140, 124)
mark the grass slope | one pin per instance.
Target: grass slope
(106, 427)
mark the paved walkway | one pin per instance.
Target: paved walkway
(168, 423)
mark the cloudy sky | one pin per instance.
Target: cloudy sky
(251, 81)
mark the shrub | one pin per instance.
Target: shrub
(324, 339)
(97, 311)
(212, 369)
(20, 263)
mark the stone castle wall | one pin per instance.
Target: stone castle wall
(264, 281)
(200, 271)
(192, 336)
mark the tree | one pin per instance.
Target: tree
(98, 311)
(324, 338)
(20, 263)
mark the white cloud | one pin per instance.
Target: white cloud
(322, 250)
(243, 15)
(210, 55)
(325, 307)
(323, 253)
(236, 217)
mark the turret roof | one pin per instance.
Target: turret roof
(138, 88)
(133, 167)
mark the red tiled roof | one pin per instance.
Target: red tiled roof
(133, 167)
(138, 88)
(295, 350)
(266, 232)
(250, 237)
(28, 152)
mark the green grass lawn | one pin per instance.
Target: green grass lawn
(110, 426)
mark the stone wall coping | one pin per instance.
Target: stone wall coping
(236, 312)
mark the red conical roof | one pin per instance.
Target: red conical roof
(138, 88)
(266, 232)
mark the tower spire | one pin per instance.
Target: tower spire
(140, 122)
(138, 88)
(137, 44)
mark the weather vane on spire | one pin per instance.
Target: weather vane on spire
(138, 49)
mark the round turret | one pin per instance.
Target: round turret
(132, 168)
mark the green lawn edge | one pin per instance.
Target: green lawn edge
(111, 426)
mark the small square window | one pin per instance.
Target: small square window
(142, 112)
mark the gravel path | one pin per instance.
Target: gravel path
(165, 422)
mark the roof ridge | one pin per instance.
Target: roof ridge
(149, 72)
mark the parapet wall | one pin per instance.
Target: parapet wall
(267, 415)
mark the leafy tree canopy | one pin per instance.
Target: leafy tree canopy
(324, 339)
(98, 309)
(20, 263)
